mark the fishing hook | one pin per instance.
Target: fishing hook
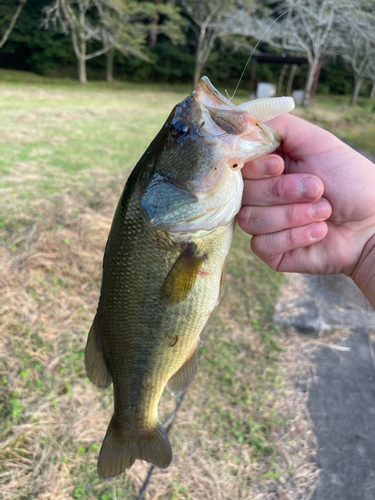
(210, 136)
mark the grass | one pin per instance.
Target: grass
(355, 124)
(241, 432)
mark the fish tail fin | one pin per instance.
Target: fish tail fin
(119, 450)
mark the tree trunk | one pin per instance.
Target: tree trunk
(110, 56)
(82, 64)
(199, 57)
(253, 75)
(281, 79)
(197, 71)
(316, 79)
(82, 71)
(153, 36)
(372, 95)
(12, 23)
(290, 80)
(309, 82)
(357, 88)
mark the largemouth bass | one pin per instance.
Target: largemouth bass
(164, 265)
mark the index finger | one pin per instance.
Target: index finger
(301, 138)
(266, 166)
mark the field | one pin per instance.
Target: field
(242, 431)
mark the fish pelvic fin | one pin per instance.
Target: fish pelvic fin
(96, 368)
(184, 376)
(120, 450)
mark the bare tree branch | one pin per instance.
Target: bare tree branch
(12, 23)
(310, 27)
(211, 20)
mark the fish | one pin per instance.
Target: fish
(164, 265)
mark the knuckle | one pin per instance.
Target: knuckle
(291, 238)
(279, 188)
(292, 215)
(246, 218)
(262, 248)
(294, 237)
(258, 245)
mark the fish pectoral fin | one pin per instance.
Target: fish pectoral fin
(184, 376)
(181, 277)
(96, 368)
(120, 450)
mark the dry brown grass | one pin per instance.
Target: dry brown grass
(242, 432)
(54, 419)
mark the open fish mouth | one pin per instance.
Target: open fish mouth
(243, 134)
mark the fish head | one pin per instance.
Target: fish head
(196, 181)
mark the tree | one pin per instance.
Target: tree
(309, 26)
(12, 23)
(358, 44)
(111, 24)
(209, 20)
(154, 19)
(95, 20)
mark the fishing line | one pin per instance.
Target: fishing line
(168, 426)
(254, 49)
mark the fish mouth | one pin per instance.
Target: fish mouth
(244, 137)
(238, 136)
(209, 95)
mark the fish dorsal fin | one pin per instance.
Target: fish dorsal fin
(181, 277)
(96, 368)
(184, 376)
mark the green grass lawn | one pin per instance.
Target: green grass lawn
(65, 153)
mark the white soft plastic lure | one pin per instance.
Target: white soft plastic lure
(268, 108)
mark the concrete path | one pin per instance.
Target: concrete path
(314, 304)
(342, 397)
(342, 407)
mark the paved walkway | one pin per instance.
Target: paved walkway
(342, 398)
(342, 407)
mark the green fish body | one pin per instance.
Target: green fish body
(164, 266)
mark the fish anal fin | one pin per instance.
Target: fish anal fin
(96, 368)
(181, 277)
(184, 376)
(120, 450)
(222, 279)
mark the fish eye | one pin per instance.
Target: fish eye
(179, 129)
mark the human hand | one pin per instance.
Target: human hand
(278, 211)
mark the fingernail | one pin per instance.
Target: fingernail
(317, 231)
(320, 209)
(271, 166)
(309, 188)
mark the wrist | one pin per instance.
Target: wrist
(364, 272)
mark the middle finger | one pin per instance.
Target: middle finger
(262, 220)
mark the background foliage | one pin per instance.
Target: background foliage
(30, 47)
